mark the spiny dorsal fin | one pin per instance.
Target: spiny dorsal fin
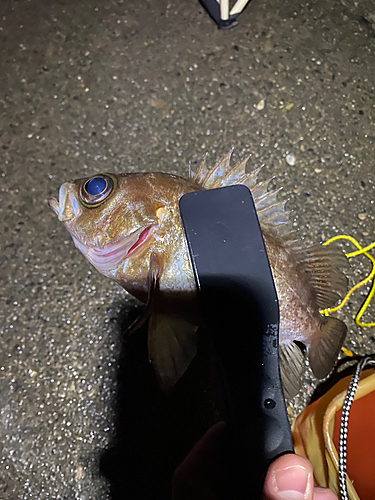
(201, 172)
(250, 179)
(324, 266)
(215, 176)
(272, 215)
(221, 174)
(237, 171)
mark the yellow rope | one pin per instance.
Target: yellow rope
(370, 277)
(347, 353)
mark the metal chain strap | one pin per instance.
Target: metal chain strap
(344, 423)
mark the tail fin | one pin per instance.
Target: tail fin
(326, 346)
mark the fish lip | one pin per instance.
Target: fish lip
(108, 257)
(53, 203)
(58, 205)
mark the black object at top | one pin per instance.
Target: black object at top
(240, 310)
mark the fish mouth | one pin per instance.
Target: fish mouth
(66, 207)
(108, 257)
(54, 204)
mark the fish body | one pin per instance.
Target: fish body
(128, 227)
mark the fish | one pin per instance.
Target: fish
(128, 226)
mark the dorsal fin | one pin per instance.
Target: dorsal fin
(215, 176)
(271, 212)
(201, 172)
(237, 171)
(324, 266)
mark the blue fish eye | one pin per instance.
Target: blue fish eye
(97, 189)
(96, 186)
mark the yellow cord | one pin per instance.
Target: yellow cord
(370, 277)
(346, 352)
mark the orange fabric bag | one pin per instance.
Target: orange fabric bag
(316, 435)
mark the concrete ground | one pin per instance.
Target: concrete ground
(90, 86)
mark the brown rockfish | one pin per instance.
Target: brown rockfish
(128, 227)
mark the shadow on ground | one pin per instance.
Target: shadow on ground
(156, 430)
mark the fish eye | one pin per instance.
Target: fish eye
(96, 190)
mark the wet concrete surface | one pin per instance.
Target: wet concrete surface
(90, 86)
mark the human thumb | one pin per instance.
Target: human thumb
(290, 477)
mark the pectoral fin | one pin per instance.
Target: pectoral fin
(171, 339)
(153, 277)
(291, 361)
(326, 345)
(171, 347)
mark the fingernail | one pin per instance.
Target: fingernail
(292, 482)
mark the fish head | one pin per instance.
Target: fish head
(111, 218)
